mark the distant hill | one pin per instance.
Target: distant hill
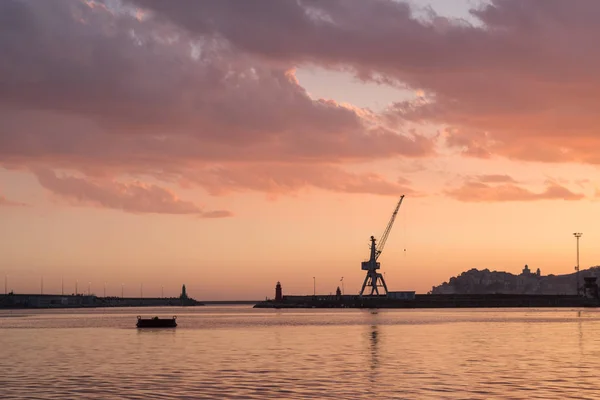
(485, 281)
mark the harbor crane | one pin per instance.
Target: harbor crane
(374, 279)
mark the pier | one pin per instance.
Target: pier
(433, 301)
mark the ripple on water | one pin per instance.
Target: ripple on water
(239, 352)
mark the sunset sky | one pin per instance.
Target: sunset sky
(230, 144)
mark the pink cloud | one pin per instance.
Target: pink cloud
(106, 94)
(285, 178)
(503, 188)
(101, 92)
(134, 197)
(522, 83)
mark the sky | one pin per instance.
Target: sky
(228, 145)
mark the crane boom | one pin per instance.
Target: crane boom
(386, 233)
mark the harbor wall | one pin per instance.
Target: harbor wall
(433, 301)
(81, 301)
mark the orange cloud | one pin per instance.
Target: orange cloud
(521, 83)
(290, 178)
(502, 188)
(495, 179)
(121, 95)
(135, 197)
(10, 203)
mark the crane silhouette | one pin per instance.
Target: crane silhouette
(374, 279)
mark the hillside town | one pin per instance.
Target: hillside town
(485, 281)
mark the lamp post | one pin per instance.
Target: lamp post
(577, 236)
(122, 290)
(314, 286)
(5, 284)
(342, 280)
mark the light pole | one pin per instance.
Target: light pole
(62, 285)
(342, 280)
(76, 282)
(5, 284)
(162, 291)
(577, 236)
(314, 286)
(104, 289)
(42, 286)
(89, 288)
(141, 290)
(121, 290)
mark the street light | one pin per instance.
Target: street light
(577, 236)
(342, 280)
(314, 286)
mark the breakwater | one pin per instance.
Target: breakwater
(433, 301)
(82, 301)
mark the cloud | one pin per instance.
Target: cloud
(94, 88)
(202, 93)
(521, 82)
(494, 179)
(10, 203)
(134, 197)
(286, 178)
(503, 188)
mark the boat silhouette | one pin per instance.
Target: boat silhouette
(156, 322)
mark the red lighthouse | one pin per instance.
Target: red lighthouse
(278, 294)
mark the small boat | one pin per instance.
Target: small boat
(156, 322)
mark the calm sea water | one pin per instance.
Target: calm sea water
(237, 352)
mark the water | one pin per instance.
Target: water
(236, 352)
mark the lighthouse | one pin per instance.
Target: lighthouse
(278, 293)
(184, 295)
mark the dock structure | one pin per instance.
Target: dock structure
(434, 301)
(409, 299)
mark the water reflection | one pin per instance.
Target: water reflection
(324, 354)
(580, 330)
(373, 340)
(374, 346)
(156, 331)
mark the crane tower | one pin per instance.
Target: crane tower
(374, 279)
